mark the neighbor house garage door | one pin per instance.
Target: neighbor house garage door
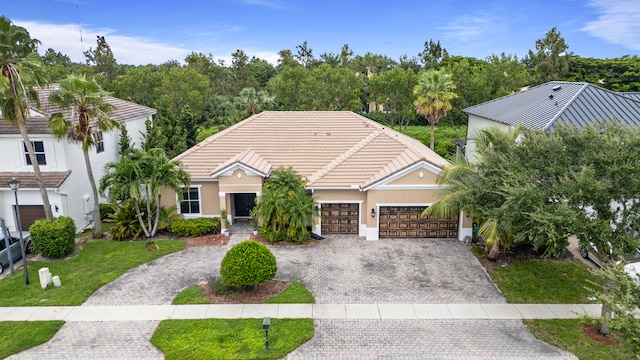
(406, 222)
(340, 218)
(29, 214)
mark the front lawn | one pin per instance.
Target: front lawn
(97, 264)
(568, 334)
(556, 282)
(16, 336)
(234, 338)
(544, 282)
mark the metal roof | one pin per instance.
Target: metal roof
(559, 102)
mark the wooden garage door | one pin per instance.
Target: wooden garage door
(406, 222)
(29, 214)
(340, 218)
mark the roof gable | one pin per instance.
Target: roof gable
(557, 102)
(247, 160)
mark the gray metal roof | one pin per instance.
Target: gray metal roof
(558, 102)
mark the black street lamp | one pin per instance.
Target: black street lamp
(266, 323)
(15, 185)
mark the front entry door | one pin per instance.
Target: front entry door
(244, 203)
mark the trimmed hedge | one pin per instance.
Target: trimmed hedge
(195, 227)
(248, 263)
(54, 238)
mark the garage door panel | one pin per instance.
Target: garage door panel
(342, 218)
(406, 222)
(29, 214)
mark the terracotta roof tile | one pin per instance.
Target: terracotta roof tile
(52, 179)
(330, 148)
(37, 122)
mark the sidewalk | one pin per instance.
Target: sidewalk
(314, 311)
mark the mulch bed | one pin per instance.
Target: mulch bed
(255, 295)
(207, 240)
(593, 332)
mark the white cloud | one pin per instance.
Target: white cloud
(618, 22)
(265, 3)
(132, 50)
(468, 27)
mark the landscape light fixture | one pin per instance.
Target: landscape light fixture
(15, 185)
(266, 324)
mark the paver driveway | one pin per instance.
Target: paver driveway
(339, 269)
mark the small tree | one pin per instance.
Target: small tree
(285, 207)
(247, 264)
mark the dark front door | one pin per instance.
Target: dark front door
(244, 203)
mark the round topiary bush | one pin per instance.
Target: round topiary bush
(248, 263)
(53, 238)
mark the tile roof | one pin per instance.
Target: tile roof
(37, 122)
(329, 148)
(559, 102)
(52, 179)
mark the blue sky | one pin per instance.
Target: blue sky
(142, 32)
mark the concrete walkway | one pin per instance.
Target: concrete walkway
(314, 311)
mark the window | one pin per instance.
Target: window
(38, 147)
(190, 201)
(99, 143)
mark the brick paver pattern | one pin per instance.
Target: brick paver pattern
(339, 269)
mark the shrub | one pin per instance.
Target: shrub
(248, 263)
(53, 238)
(125, 222)
(195, 227)
(106, 210)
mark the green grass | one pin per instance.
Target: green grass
(191, 295)
(295, 293)
(234, 338)
(544, 282)
(568, 334)
(16, 336)
(99, 263)
(443, 134)
(230, 338)
(204, 133)
(105, 227)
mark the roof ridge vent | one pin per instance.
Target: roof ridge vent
(556, 88)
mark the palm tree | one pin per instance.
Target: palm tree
(141, 176)
(434, 93)
(285, 207)
(20, 73)
(90, 116)
(469, 189)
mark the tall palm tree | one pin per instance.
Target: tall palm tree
(90, 116)
(20, 73)
(434, 93)
(141, 176)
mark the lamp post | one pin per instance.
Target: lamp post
(266, 323)
(15, 185)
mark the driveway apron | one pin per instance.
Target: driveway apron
(338, 270)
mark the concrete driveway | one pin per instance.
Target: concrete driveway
(339, 269)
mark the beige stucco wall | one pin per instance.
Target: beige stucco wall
(240, 182)
(209, 200)
(414, 178)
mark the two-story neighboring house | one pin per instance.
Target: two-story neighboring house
(61, 163)
(552, 104)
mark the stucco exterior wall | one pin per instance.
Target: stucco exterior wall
(475, 125)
